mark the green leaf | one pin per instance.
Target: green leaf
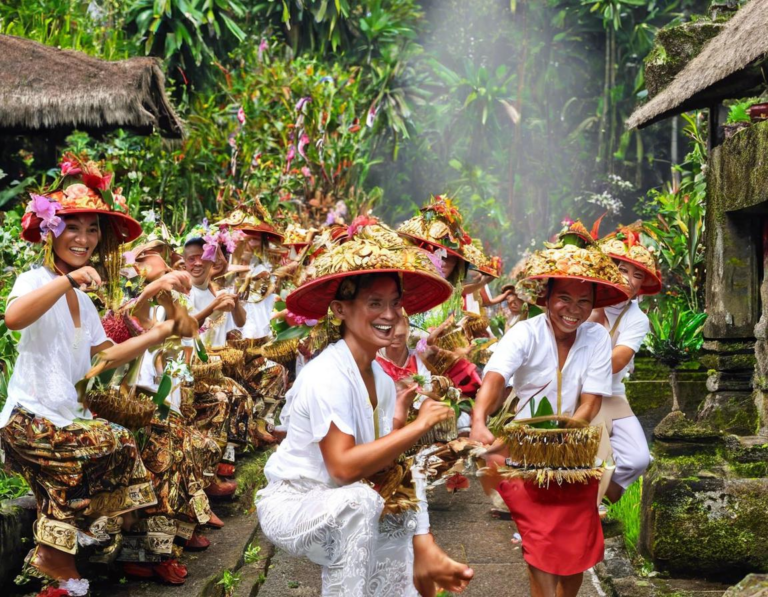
(297, 331)
(163, 391)
(200, 350)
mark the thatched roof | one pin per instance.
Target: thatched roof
(725, 68)
(44, 88)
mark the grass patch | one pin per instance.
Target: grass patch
(627, 512)
(12, 486)
(250, 474)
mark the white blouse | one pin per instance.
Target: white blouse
(53, 355)
(218, 324)
(258, 315)
(329, 390)
(631, 332)
(527, 354)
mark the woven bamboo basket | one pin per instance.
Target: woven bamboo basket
(562, 455)
(444, 432)
(475, 325)
(246, 343)
(132, 412)
(453, 340)
(441, 362)
(280, 351)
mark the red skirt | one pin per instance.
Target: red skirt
(559, 525)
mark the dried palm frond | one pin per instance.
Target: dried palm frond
(130, 411)
(530, 447)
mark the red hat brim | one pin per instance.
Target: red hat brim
(431, 246)
(606, 293)
(125, 227)
(651, 284)
(421, 292)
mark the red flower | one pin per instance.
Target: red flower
(51, 591)
(69, 168)
(358, 223)
(457, 482)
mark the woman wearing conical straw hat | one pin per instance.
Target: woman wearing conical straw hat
(345, 424)
(81, 469)
(551, 483)
(628, 327)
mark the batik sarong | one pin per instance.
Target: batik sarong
(90, 469)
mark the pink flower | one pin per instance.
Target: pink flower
(302, 102)
(359, 223)
(306, 172)
(45, 209)
(372, 111)
(119, 199)
(129, 257)
(210, 247)
(69, 168)
(241, 115)
(263, 47)
(436, 261)
(76, 191)
(421, 346)
(290, 156)
(303, 141)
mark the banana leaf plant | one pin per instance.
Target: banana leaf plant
(675, 338)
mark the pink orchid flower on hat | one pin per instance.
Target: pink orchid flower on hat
(45, 209)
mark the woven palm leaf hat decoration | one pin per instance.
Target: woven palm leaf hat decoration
(557, 448)
(253, 219)
(438, 227)
(476, 256)
(369, 247)
(83, 187)
(575, 256)
(625, 245)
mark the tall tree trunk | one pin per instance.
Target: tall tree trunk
(606, 101)
(675, 389)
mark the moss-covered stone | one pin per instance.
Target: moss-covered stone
(677, 427)
(754, 585)
(701, 524)
(752, 449)
(673, 48)
(730, 412)
(729, 362)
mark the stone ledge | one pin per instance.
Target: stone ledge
(16, 518)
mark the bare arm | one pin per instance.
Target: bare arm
(114, 355)
(620, 357)
(238, 313)
(348, 462)
(27, 309)
(589, 406)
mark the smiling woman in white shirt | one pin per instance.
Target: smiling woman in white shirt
(80, 469)
(561, 356)
(345, 422)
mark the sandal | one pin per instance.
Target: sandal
(171, 572)
(197, 543)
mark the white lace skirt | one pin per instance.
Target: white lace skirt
(341, 529)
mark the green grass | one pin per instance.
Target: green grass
(627, 512)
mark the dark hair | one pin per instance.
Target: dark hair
(352, 285)
(195, 242)
(551, 285)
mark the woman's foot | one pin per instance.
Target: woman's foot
(432, 567)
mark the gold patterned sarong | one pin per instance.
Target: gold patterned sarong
(90, 468)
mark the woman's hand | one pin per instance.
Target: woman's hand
(406, 392)
(431, 413)
(86, 277)
(178, 281)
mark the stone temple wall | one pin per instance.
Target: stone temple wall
(705, 498)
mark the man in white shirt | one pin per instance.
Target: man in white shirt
(219, 313)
